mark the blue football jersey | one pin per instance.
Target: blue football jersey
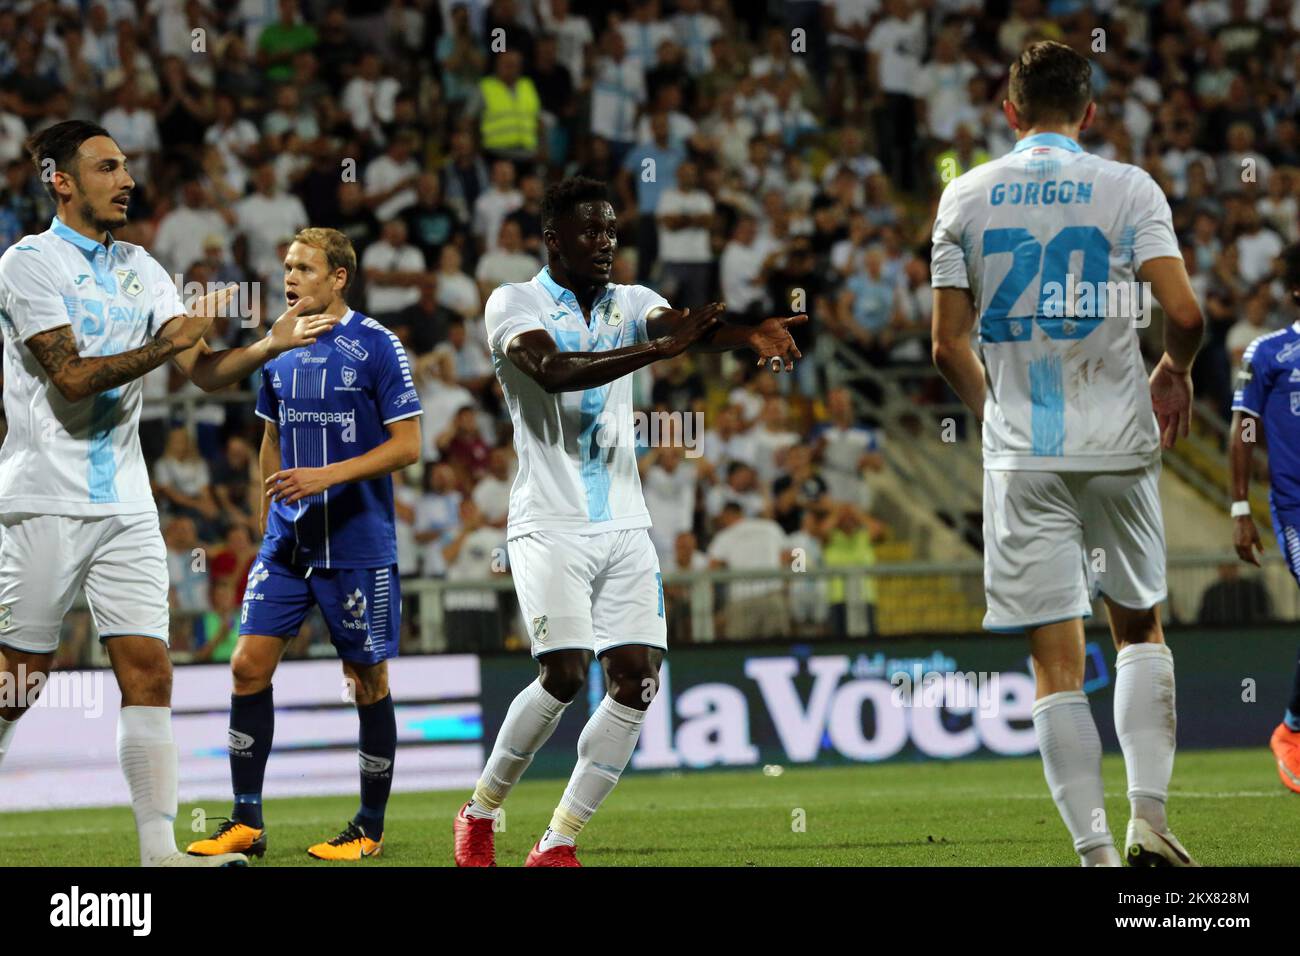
(1268, 387)
(332, 401)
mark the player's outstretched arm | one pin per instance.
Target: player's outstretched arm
(954, 318)
(536, 354)
(1245, 536)
(770, 339)
(211, 370)
(78, 377)
(401, 449)
(1171, 382)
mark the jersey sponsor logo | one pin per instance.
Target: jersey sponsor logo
(282, 416)
(406, 398)
(82, 278)
(540, 628)
(295, 417)
(1288, 352)
(6, 617)
(306, 358)
(351, 348)
(349, 375)
(1295, 403)
(129, 282)
(257, 575)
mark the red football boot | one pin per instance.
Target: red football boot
(474, 840)
(562, 855)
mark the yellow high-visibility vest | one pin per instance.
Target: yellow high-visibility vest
(509, 120)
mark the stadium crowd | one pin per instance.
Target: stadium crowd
(780, 157)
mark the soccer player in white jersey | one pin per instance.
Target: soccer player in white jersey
(1031, 248)
(564, 346)
(84, 317)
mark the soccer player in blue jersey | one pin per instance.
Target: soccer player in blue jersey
(341, 417)
(1268, 395)
(1072, 429)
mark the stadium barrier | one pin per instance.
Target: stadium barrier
(718, 706)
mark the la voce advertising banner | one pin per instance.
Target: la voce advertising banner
(717, 706)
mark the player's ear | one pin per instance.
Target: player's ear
(1088, 115)
(1009, 111)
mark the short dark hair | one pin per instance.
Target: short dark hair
(1290, 257)
(61, 143)
(564, 197)
(1050, 81)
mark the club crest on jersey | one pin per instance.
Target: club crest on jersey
(355, 604)
(540, 629)
(613, 315)
(1287, 353)
(1295, 403)
(6, 617)
(349, 375)
(129, 282)
(351, 348)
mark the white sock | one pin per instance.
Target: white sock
(1071, 749)
(529, 723)
(604, 749)
(553, 838)
(6, 734)
(147, 754)
(1145, 723)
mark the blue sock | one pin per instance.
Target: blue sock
(378, 748)
(252, 725)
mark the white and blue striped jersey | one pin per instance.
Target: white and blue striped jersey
(577, 454)
(76, 458)
(332, 401)
(1049, 239)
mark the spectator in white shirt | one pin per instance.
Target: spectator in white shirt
(390, 178)
(471, 358)
(755, 608)
(573, 37)
(369, 98)
(436, 513)
(267, 218)
(235, 136)
(743, 269)
(668, 481)
(394, 270)
(134, 129)
(685, 215)
(741, 487)
(643, 32)
(179, 241)
(771, 438)
(441, 396)
(507, 262)
(497, 202)
(456, 290)
(617, 94)
(1257, 246)
(492, 493)
(696, 31)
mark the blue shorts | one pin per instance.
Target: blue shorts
(362, 606)
(1286, 525)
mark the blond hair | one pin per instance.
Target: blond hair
(337, 247)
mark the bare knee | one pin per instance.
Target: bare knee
(562, 674)
(1128, 626)
(251, 672)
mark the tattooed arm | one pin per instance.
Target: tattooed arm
(78, 377)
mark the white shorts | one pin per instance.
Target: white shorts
(591, 592)
(1054, 540)
(44, 559)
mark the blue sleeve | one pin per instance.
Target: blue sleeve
(395, 390)
(268, 406)
(1252, 383)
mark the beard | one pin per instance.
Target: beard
(100, 222)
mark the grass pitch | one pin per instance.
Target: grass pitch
(1228, 807)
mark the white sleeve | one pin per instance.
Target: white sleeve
(167, 303)
(30, 293)
(947, 258)
(1153, 223)
(507, 315)
(642, 302)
